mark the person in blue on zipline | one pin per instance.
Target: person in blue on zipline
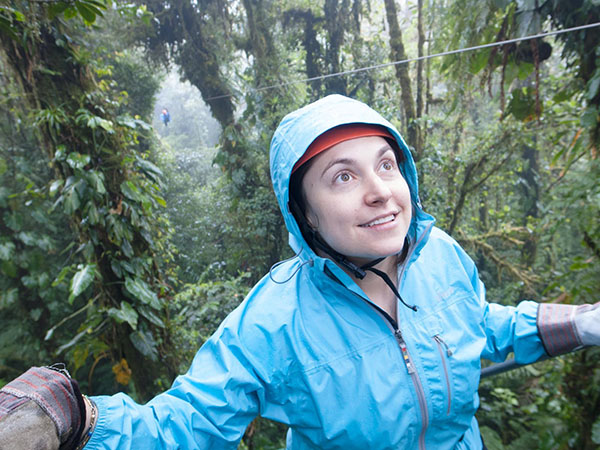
(370, 337)
(165, 116)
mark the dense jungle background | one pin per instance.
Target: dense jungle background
(125, 241)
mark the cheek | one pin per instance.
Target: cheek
(405, 191)
(324, 215)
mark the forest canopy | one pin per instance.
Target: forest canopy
(126, 239)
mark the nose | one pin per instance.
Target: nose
(377, 191)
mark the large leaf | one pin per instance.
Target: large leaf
(131, 191)
(593, 85)
(86, 12)
(96, 180)
(145, 344)
(6, 250)
(141, 291)
(589, 118)
(71, 201)
(81, 280)
(77, 160)
(522, 105)
(153, 318)
(149, 169)
(125, 314)
(55, 186)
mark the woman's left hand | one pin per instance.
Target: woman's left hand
(587, 322)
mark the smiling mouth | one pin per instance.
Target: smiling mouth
(379, 221)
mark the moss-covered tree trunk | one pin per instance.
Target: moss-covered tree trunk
(102, 187)
(398, 53)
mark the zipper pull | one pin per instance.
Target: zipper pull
(404, 349)
(440, 341)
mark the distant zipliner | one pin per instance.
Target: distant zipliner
(165, 117)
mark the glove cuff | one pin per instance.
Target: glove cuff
(57, 394)
(556, 327)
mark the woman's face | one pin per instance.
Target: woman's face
(357, 199)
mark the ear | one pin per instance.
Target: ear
(311, 218)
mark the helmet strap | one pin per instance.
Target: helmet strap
(358, 271)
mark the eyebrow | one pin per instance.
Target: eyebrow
(382, 151)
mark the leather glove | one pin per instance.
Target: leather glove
(587, 323)
(41, 409)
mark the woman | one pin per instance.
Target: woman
(370, 337)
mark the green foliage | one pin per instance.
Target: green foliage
(87, 10)
(31, 234)
(198, 309)
(137, 81)
(538, 210)
(109, 194)
(523, 409)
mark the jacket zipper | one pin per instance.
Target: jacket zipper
(416, 382)
(407, 361)
(410, 368)
(405, 355)
(441, 345)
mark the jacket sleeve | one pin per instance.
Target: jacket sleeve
(530, 330)
(512, 329)
(207, 408)
(506, 328)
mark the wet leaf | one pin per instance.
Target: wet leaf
(125, 314)
(141, 291)
(145, 344)
(81, 280)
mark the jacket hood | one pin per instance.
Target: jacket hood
(300, 128)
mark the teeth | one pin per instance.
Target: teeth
(380, 221)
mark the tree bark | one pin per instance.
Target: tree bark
(419, 111)
(200, 64)
(336, 17)
(531, 197)
(399, 54)
(311, 46)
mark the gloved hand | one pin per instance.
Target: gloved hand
(587, 322)
(43, 409)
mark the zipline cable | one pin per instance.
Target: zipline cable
(419, 58)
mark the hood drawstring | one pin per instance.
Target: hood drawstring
(310, 262)
(358, 271)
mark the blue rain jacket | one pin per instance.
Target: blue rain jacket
(307, 348)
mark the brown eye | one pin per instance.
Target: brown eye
(387, 166)
(343, 177)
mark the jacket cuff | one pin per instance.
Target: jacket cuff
(556, 327)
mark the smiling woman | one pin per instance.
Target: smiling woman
(359, 203)
(326, 343)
